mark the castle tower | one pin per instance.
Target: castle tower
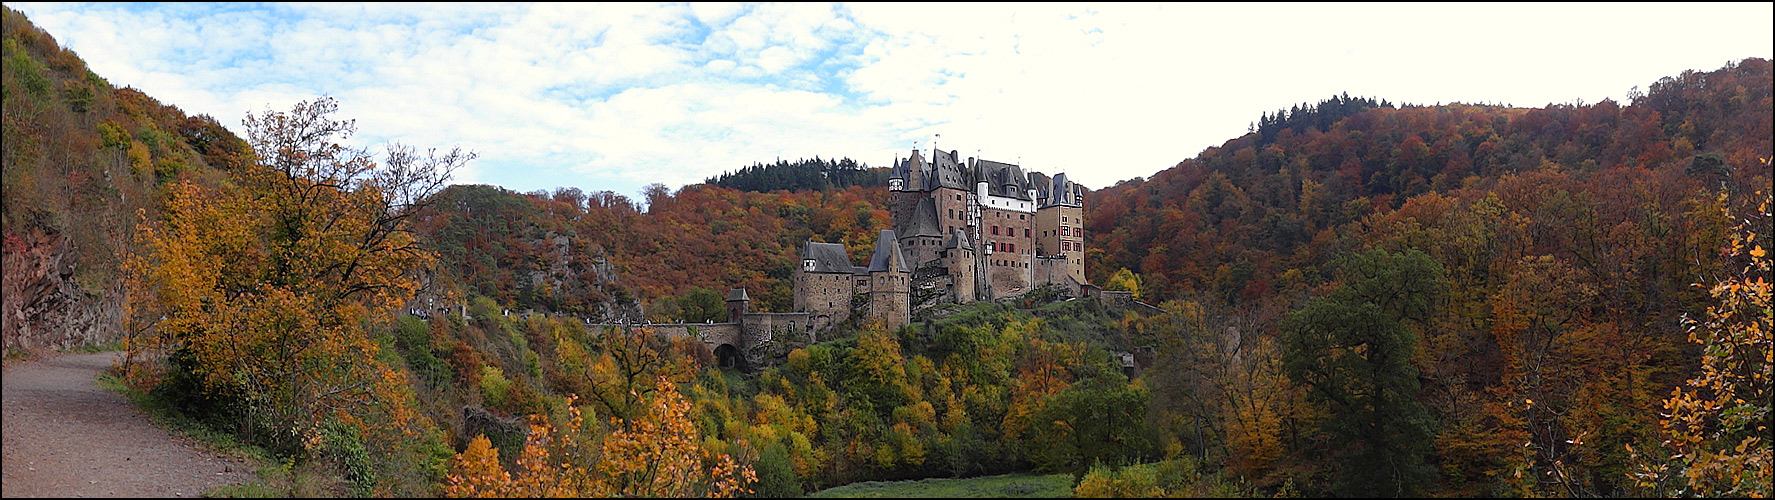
(1060, 224)
(921, 235)
(910, 174)
(1006, 227)
(889, 287)
(957, 259)
(824, 284)
(738, 304)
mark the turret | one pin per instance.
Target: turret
(738, 304)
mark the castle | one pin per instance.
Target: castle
(963, 232)
(979, 230)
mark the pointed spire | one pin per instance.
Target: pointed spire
(887, 254)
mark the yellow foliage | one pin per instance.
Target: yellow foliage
(659, 455)
(477, 473)
(1717, 425)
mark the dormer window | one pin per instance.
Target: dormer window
(807, 265)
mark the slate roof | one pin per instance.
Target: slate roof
(1003, 179)
(946, 170)
(1042, 185)
(958, 239)
(923, 222)
(828, 258)
(737, 294)
(1061, 191)
(887, 253)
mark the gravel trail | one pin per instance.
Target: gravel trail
(66, 437)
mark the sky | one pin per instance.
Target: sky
(613, 97)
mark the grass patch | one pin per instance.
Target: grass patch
(115, 345)
(1005, 486)
(17, 355)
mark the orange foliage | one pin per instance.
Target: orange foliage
(659, 455)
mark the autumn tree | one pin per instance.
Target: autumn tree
(1717, 425)
(658, 453)
(1101, 419)
(1353, 349)
(267, 285)
(621, 374)
(1125, 280)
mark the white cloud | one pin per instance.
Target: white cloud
(616, 96)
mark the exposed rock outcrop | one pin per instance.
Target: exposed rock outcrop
(42, 306)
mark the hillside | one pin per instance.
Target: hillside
(599, 254)
(81, 158)
(1236, 217)
(1355, 299)
(1572, 238)
(1569, 238)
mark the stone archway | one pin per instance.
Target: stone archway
(729, 356)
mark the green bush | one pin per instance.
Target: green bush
(412, 337)
(776, 474)
(344, 447)
(495, 388)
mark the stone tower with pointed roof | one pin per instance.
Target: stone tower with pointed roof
(889, 291)
(830, 290)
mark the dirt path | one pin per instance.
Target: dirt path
(66, 437)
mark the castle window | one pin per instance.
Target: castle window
(1026, 232)
(952, 213)
(1065, 230)
(995, 230)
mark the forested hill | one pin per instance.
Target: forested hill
(1571, 243)
(598, 254)
(81, 157)
(801, 175)
(1355, 299)
(1237, 217)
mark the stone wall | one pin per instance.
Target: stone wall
(890, 297)
(713, 334)
(767, 335)
(952, 209)
(1007, 267)
(1055, 270)
(825, 297)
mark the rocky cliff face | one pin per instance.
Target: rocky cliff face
(41, 304)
